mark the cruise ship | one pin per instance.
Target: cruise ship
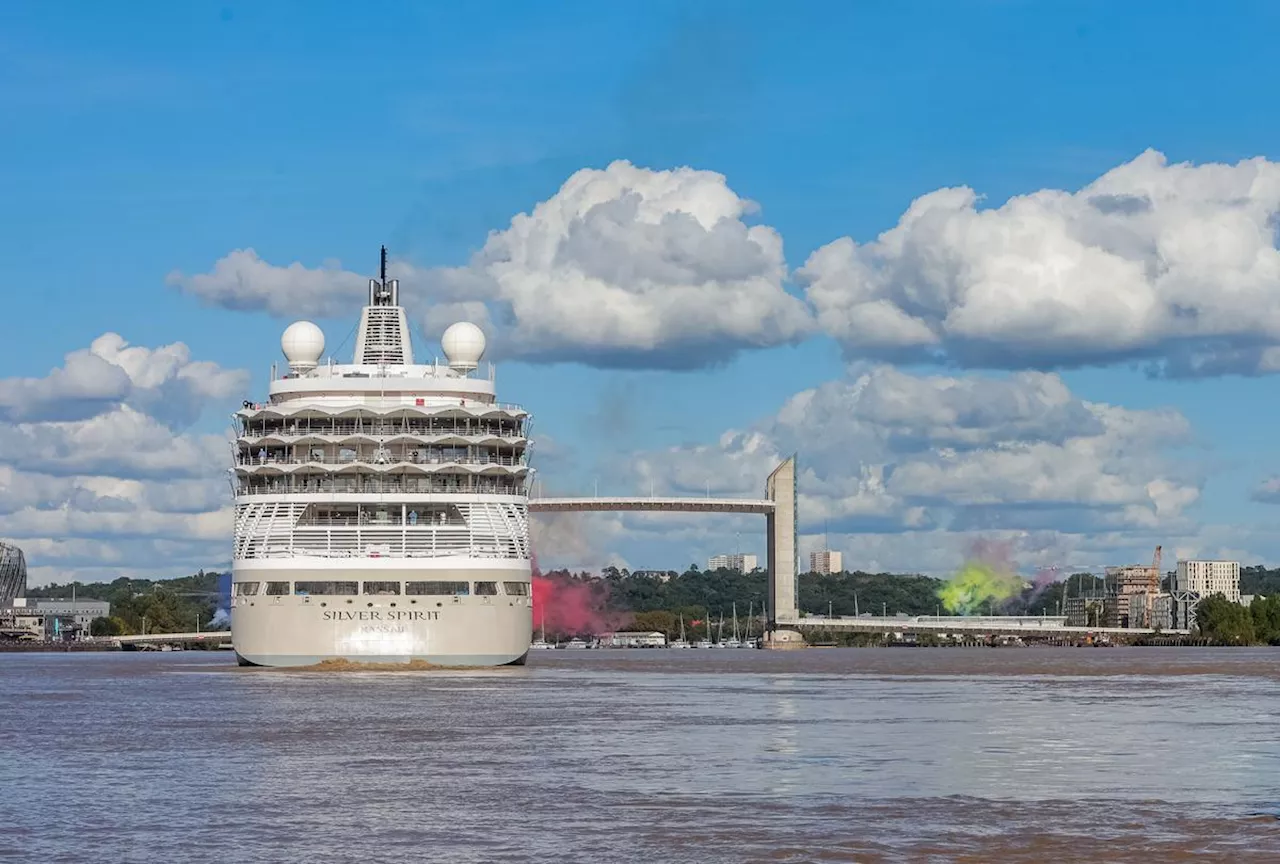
(381, 505)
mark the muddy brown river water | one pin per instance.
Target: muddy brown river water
(1033, 754)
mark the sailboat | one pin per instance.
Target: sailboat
(733, 642)
(681, 642)
(705, 641)
(541, 642)
(747, 641)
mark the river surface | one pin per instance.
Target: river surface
(1037, 754)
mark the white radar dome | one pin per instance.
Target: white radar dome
(302, 343)
(463, 345)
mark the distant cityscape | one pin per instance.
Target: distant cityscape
(1131, 596)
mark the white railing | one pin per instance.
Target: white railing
(337, 485)
(273, 530)
(370, 458)
(289, 431)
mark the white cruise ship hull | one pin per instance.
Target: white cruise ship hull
(296, 630)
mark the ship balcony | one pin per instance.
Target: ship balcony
(264, 461)
(380, 484)
(384, 435)
(273, 422)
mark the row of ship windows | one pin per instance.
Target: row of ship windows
(381, 588)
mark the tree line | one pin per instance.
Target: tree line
(661, 600)
(1229, 623)
(179, 605)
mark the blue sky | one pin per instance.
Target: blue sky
(156, 138)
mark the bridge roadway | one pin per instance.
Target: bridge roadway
(213, 637)
(759, 506)
(978, 625)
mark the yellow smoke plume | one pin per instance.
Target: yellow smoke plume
(977, 584)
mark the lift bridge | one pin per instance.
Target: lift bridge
(779, 509)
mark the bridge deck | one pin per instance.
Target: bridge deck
(675, 505)
(212, 636)
(985, 625)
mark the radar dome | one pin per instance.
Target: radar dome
(302, 343)
(463, 344)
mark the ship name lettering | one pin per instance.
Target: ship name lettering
(378, 615)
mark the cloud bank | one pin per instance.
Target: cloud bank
(1172, 265)
(97, 478)
(622, 267)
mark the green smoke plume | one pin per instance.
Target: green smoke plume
(977, 584)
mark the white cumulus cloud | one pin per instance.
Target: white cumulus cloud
(623, 266)
(164, 383)
(97, 478)
(1175, 265)
(883, 450)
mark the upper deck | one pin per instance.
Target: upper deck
(381, 425)
(389, 385)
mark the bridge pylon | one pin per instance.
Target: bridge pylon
(782, 547)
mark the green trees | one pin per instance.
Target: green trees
(166, 605)
(1265, 612)
(112, 626)
(1228, 623)
(1224, 622)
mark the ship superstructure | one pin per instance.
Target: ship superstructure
(381, 505)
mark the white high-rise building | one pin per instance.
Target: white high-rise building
(826, 562)
(1209, 577)
(741, 563)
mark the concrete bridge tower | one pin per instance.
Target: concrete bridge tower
(780, 488)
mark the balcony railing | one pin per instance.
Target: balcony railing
(373, 458)
(427, 485)
(475, 429)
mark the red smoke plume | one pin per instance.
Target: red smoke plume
(572, 607)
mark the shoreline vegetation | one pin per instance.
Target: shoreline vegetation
(616, 599)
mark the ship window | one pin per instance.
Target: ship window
(277, 589)
(323, 588)
(247, 589)
(437, 588)
(382, 588)
(486, 589)
(516, 589)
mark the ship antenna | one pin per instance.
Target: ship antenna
(384, 265)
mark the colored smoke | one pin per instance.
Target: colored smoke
(569, 606)
(1043, 580)
(987, 579)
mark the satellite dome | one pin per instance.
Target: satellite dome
(302, 343)
(463, 345)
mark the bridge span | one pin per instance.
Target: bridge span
(760, 506)
(778, 507)
(208, 637)
(976, 625)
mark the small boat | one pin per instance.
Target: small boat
(541, 643)
(681, 642)
(576, 643)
